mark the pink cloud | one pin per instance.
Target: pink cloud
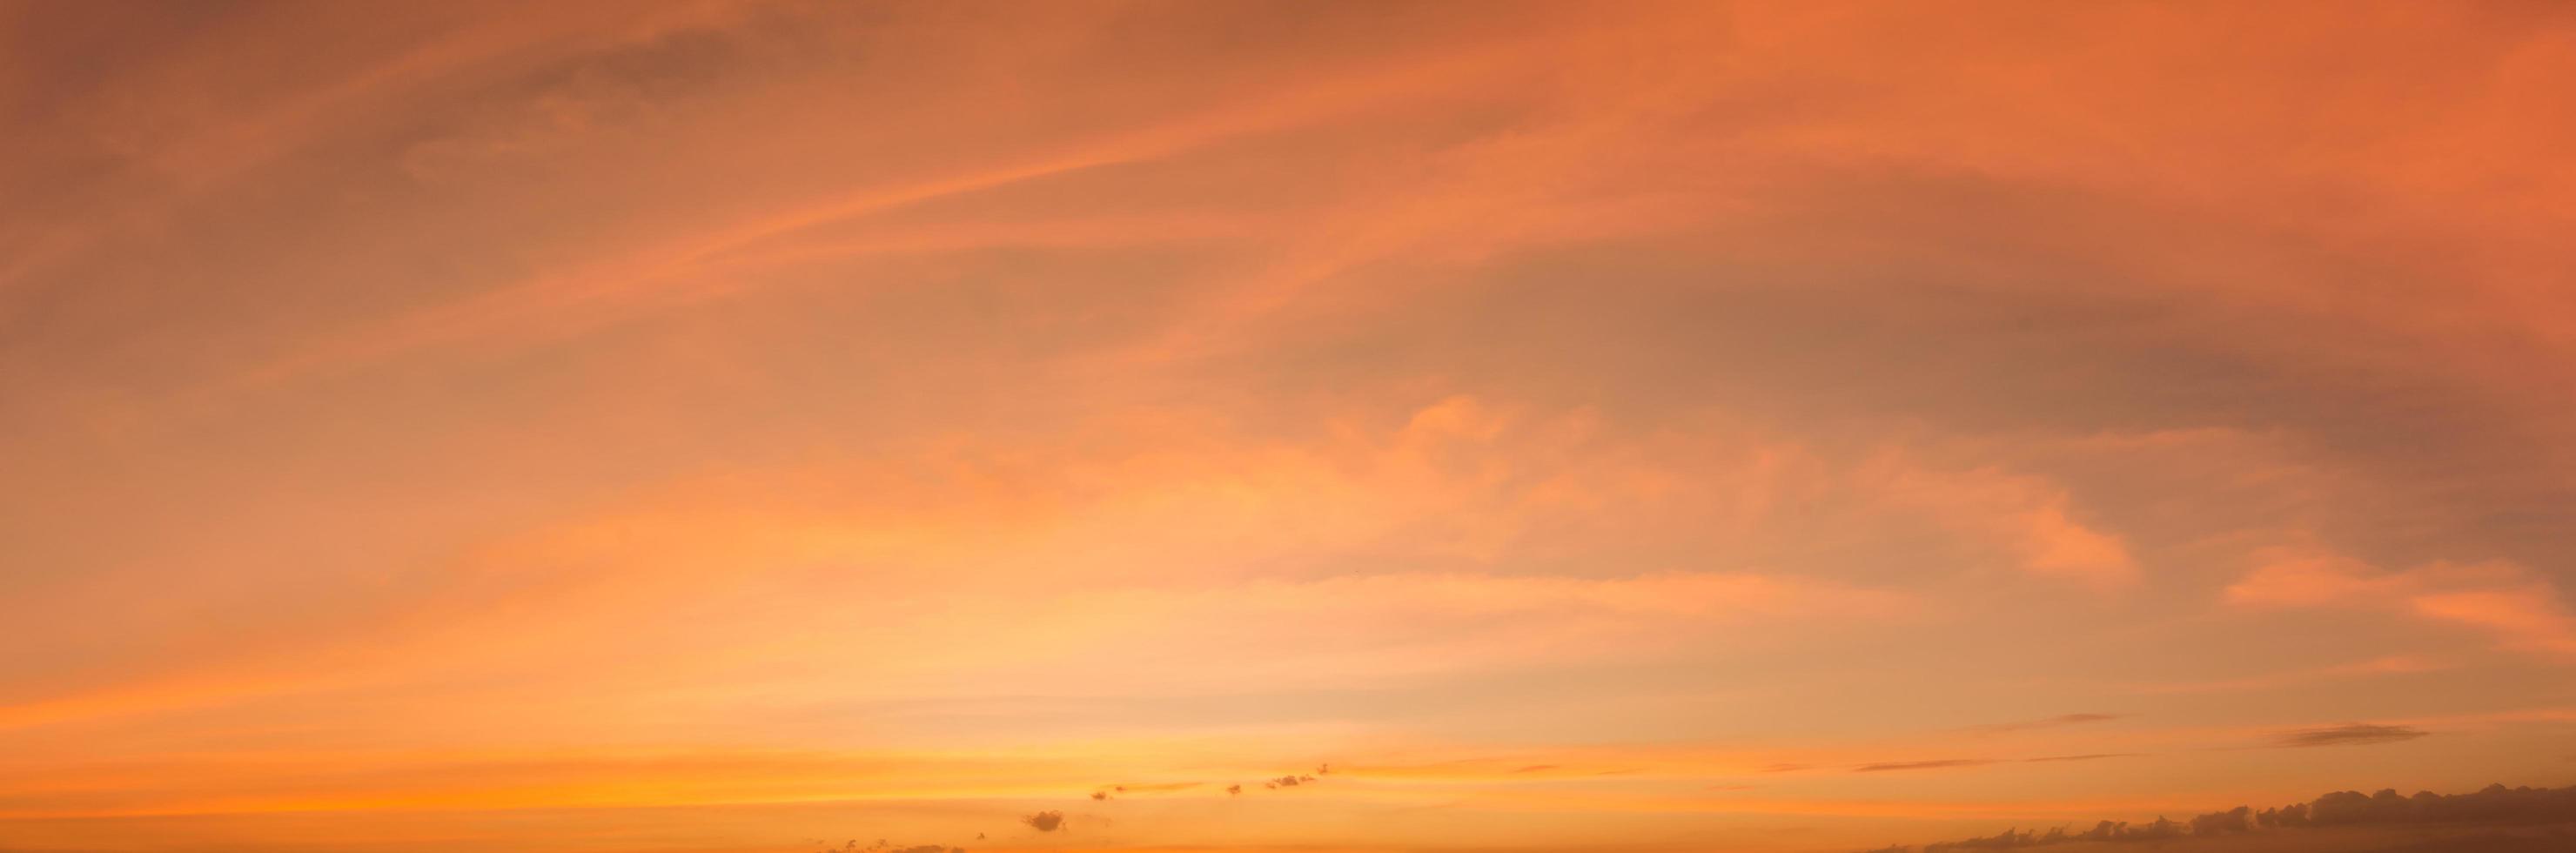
(2028, 518)
(2518, 607)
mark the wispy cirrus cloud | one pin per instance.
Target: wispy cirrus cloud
(1949, 763)
(2058, 721)
(2520, 608)
(2349, 734)
(455, 424)
(1935, 764)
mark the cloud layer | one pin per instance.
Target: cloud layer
(709, 424)
(2496, 805)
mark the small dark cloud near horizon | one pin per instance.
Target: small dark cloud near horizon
(2350, 734)
(2095, 756)
(2493, 806)
(1288, 781)
(1047, 821)
(1107, 792)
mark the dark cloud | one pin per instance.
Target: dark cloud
(2086, 757)
(1044, 821)
(2495, 806)
(2160, 830)
(1922, 765)
(2349, 734)
(1289, 781)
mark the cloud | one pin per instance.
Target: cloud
(1875, 244)
(2518, 607)
(1109, 791)
(645, 275)
(2105, 831)
(2347, 735)
(2492, 804)
(1922, 765)
(2027, 517)
(2048, 723)
(2495, 805)
(1945, 763)
(1046, 821)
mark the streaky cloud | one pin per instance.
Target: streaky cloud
(2350, 734)
(1937, 764)
(2046, 723)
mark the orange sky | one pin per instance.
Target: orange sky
(731, 426)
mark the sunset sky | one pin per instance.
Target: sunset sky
(745, 427)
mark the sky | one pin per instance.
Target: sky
(758, 427)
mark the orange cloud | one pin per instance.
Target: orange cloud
(2517, 607)
(2029, 518)
(712, 424)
